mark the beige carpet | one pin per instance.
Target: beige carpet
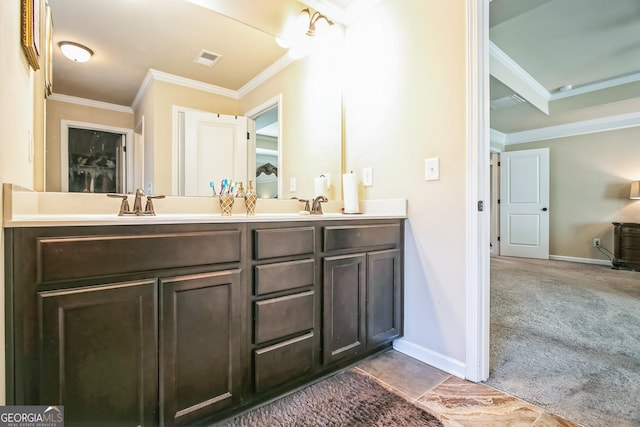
(566, 336)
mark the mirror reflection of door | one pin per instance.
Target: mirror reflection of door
(95, 161)
(213, 147)
(267, 155)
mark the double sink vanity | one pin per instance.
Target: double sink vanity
(189, 317)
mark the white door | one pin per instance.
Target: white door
(524, 203)
(215, 148)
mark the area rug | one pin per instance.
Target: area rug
(345, 399)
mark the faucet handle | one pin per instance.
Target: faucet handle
(306, 204)
(148, 209)
(124, 206)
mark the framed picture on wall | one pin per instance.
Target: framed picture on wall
(30, 18)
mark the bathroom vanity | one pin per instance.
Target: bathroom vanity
(185, 323)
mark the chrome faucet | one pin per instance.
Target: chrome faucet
(137, 204)
(316, 207)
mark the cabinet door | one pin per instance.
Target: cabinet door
(200, 331)
(344, 307)
(384, 309)
(99, 353)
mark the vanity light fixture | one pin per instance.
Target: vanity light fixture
(313, 19)
(75, 51)
(635, 190)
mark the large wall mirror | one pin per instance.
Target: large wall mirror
(153, 62)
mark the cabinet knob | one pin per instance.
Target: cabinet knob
(544, 209)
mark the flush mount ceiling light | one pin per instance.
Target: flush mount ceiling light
(75, 51)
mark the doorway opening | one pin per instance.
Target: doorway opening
(94, 158)
(266, 142)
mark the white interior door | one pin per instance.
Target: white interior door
(215, 147)
(524, 203)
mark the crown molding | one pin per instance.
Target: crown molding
(592, 87)
(265, 74)
(90, 103)
(505, 69)
(603, 124)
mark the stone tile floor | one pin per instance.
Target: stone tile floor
(454, 401)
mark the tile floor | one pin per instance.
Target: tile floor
(454, 401)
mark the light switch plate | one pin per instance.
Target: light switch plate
(292, 185)
(432, 169)
(367, 177)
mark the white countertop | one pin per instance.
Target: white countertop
(23, 208)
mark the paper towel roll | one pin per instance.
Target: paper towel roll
(350, 193)
(319, 186)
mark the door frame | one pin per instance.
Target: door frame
(129, 161)
(478, 222)
(276, 101)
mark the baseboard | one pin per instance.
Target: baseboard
(581, 260)
(430, 357)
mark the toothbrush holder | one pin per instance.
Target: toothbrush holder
(250, 199)
(226, 204)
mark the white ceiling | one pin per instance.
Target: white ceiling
(541, 45)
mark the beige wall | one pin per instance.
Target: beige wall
(405, 101)
(590, 178)
(17, 122)
(58, 111)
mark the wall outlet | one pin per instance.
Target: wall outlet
(596, 243)
(292, 185)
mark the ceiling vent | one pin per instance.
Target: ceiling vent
(506, 101)
(207, 58)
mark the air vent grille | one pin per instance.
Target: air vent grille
(506, 101)
(207, 58)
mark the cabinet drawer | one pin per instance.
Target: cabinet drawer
(284, 275)
(66, 258)
(280, 242)
(283, 362)
(360, 236)
(279, 317)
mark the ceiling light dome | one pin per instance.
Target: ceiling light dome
(75, 51)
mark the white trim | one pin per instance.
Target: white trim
(64, 148)
(514, 76)
(90, 103)
(602, 124)
(592, 87)
(476, 367)
(580, 260)
(276, 100)
(430, 357)
(266, 74)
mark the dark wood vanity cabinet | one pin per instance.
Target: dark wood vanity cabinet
(187, 324)
(626, 245)
(126, 326)
(100, 368)
(362, 289)
(285, 342)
